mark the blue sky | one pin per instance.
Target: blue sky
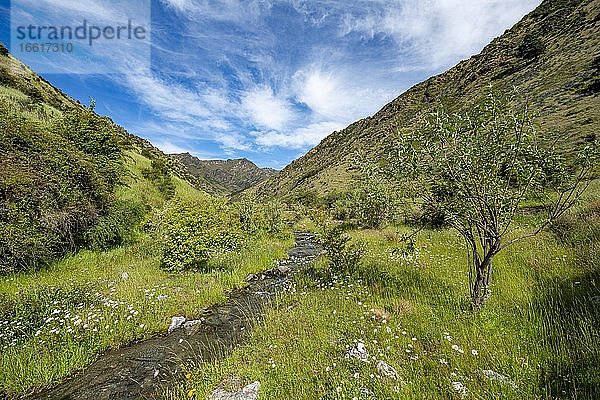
(268, 79)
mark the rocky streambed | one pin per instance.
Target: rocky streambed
(145, 369)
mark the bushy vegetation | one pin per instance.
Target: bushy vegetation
(3, 50)
(190, 231)
(117, 227)
(260, 217)
(477, 169)
(57, 179)
(343, 256)
(160, 174)
(531, 46)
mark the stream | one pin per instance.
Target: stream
(144, 370)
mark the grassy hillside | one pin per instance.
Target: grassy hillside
(552, 57)
(62, 168)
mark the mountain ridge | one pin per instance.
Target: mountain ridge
(552, 55)
(227, 176)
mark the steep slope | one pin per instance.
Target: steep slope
(227, 176)
(552, 56)
(62, 168)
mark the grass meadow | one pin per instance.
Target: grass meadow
(538, 337)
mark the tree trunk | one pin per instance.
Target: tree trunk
(478, 295)
(483, 271)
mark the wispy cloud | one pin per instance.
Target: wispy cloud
(274, 77)
(438, 32)
(266, 110)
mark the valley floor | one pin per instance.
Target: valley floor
(56, 321)
(536, 338)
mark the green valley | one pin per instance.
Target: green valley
(447, 247)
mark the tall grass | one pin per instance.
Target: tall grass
(540, 329)
(57, 320)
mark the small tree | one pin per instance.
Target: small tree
(3, 50)
(371, 201)
(476, 169)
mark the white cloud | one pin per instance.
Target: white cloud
(265, 109)
(251, 75)
(170, 100)
(222, 10)
(439, 31)
(299, 138)
(170, 148)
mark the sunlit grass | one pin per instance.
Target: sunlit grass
(539, 329)
(57, 320)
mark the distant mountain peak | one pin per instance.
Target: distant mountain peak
(229, 176)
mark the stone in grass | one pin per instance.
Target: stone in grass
(386, 370)
(249, 392)
(460, 389)
(284, 269)
(176, 323)
(495, 376)
(359, 352)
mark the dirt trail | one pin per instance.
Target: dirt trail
(145, 369)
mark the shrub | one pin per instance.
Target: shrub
(344, 257)
(54, 184)
(190, 231)
(117, 227)
(3, 50)
(531, 47)
(160, 175)
(255, 217)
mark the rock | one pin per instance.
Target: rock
(191, 324)
(359, 351)
(249, 392)
(284, 269)
(124, 276)
(387, 370)
(460, 389)
(495, 376)
(176, 323)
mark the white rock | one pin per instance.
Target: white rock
(176, 323)
(249, 392)
(495, 376)
(359, 351)
(460, 389)
(387, 370)
(191, 324)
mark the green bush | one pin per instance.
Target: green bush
(531, 47)
(256, 217)
(117, 227)
(190, 231)
(55, 183)
(160, 175)
(344, 257)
